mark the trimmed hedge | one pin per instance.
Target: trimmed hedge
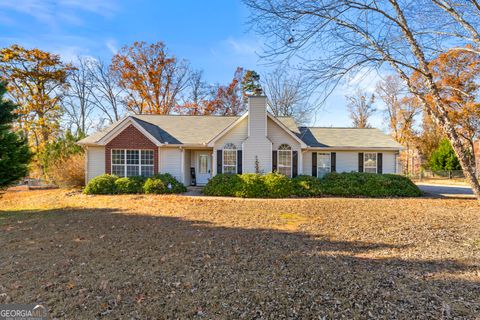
(369, 185)
(307, 186)
(104, 184)
(172, 185)
(130, 185)
(275, 185)
(155, 186)
(111, 184)
(223, 185)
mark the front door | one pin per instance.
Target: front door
(203, 167)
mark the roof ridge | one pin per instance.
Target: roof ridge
(183, 115)
(339, 128)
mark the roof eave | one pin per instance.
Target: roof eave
(354, 148)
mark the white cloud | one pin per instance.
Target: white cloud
(243, 46)
(56, 12)
(112, 45)
(363, 80)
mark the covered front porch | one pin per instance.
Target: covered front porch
(197, 166)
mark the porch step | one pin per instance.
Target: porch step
(194, 191)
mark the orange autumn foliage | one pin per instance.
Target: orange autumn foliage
(151, 76)
(456, 73)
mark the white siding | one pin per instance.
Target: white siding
(278, 136)
(170, 161)
(257, 147)
(389, 162)
(95, 162)
(307, 163)
(347, 161)
(236, 135)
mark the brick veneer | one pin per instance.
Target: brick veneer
(130, 138)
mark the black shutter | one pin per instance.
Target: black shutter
(360, 162)
(239, 161)
(274, 161)
(314, 164)
(295, 163)
(379, 163)
(219, 161)
(333, 162)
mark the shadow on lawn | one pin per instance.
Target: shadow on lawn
(102, 262)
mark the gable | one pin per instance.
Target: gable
(236, 135)
(279, 136)
(131, 138)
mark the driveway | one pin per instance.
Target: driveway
(446, 190)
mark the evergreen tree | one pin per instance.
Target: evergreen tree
(251, 82)
(444, 158)
(15, 154)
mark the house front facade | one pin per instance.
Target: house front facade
(195, 148)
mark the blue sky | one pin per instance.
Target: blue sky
(211, 34)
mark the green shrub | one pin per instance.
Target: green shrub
(224, 185)
(277, 185)
(307, 186)
(129, 185)
(172, 185)
(252, 186)
(369, 185)
(104, 184)
(110, 184)
(154, 186)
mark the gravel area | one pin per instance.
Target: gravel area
(156, 257)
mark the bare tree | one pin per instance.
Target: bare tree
(400, 114)
(196, 95)
(360, 107)
(400, 110)
(105, 93)
(77, 104)
(288, 94)
(335, 38)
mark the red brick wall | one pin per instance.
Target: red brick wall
(130, 138)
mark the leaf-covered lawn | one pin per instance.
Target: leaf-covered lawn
(186, 257)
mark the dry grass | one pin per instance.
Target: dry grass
(151, 256)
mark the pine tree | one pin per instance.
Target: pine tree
(15, 154)
(444, 158)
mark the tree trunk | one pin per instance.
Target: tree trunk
(462, 154)
(440, 115)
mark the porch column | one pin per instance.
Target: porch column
(300, 162)
(182, 165)
(214, 162)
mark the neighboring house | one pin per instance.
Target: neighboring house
(195, 148)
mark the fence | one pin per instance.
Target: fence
(438, 175)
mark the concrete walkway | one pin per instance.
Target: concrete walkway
(446, 190)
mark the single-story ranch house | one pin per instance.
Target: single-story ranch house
(195, 148)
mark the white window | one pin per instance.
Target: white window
(323, 163)
(370, 162)
(130, 163)
(230, 158)
(285, 160)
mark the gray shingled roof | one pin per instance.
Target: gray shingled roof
(347, 137)
(192, 130)
(184, 129)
